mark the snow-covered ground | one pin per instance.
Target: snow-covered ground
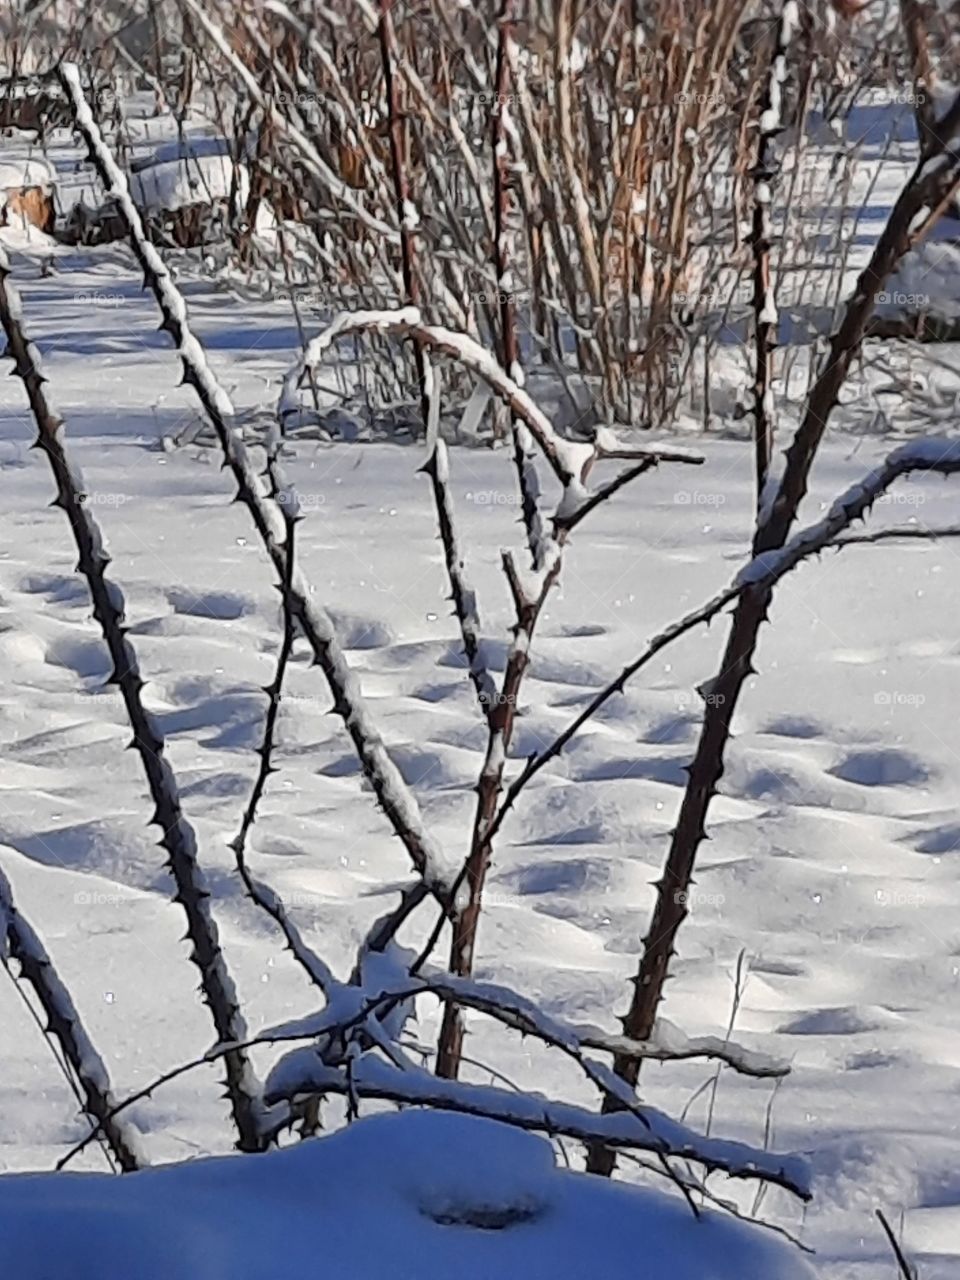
(391, 1192)
(833, 859)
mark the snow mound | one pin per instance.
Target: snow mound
(419, 1195)
(927, 280)
(178, 182)
(29, 172)
(181, 150)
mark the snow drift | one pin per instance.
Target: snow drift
(418, 1195)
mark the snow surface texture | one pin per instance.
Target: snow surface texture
(417, 1196)
(835, 837)
(29, 172)
(177, 183)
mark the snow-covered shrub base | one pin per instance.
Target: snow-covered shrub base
(416, 1196)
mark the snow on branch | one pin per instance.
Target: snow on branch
(669, 1044)
(370, 1012)
(762, 573)
(922, 201)
(565, 458)
(927, 454)
(570, 463)
(178, 838)
(528, 481)
(303, 1072)
(393, 794)
(19, 941)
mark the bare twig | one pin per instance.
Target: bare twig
(261, 894)
(907, 1271)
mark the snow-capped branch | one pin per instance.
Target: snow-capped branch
(921, 202)
(570, 463)
(395, 797)
(354, 1020)
(567, 459)
(754, 585)
(669, 1044)
(926, 454)
(762, 573)
(178, 837)
(382, 932)
(568, 520)
(302, 1072)
(20, 942)
(563, 457)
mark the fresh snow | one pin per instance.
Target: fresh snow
(832, 863)
(418, 1196)
(32, 171)
(192, 179)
